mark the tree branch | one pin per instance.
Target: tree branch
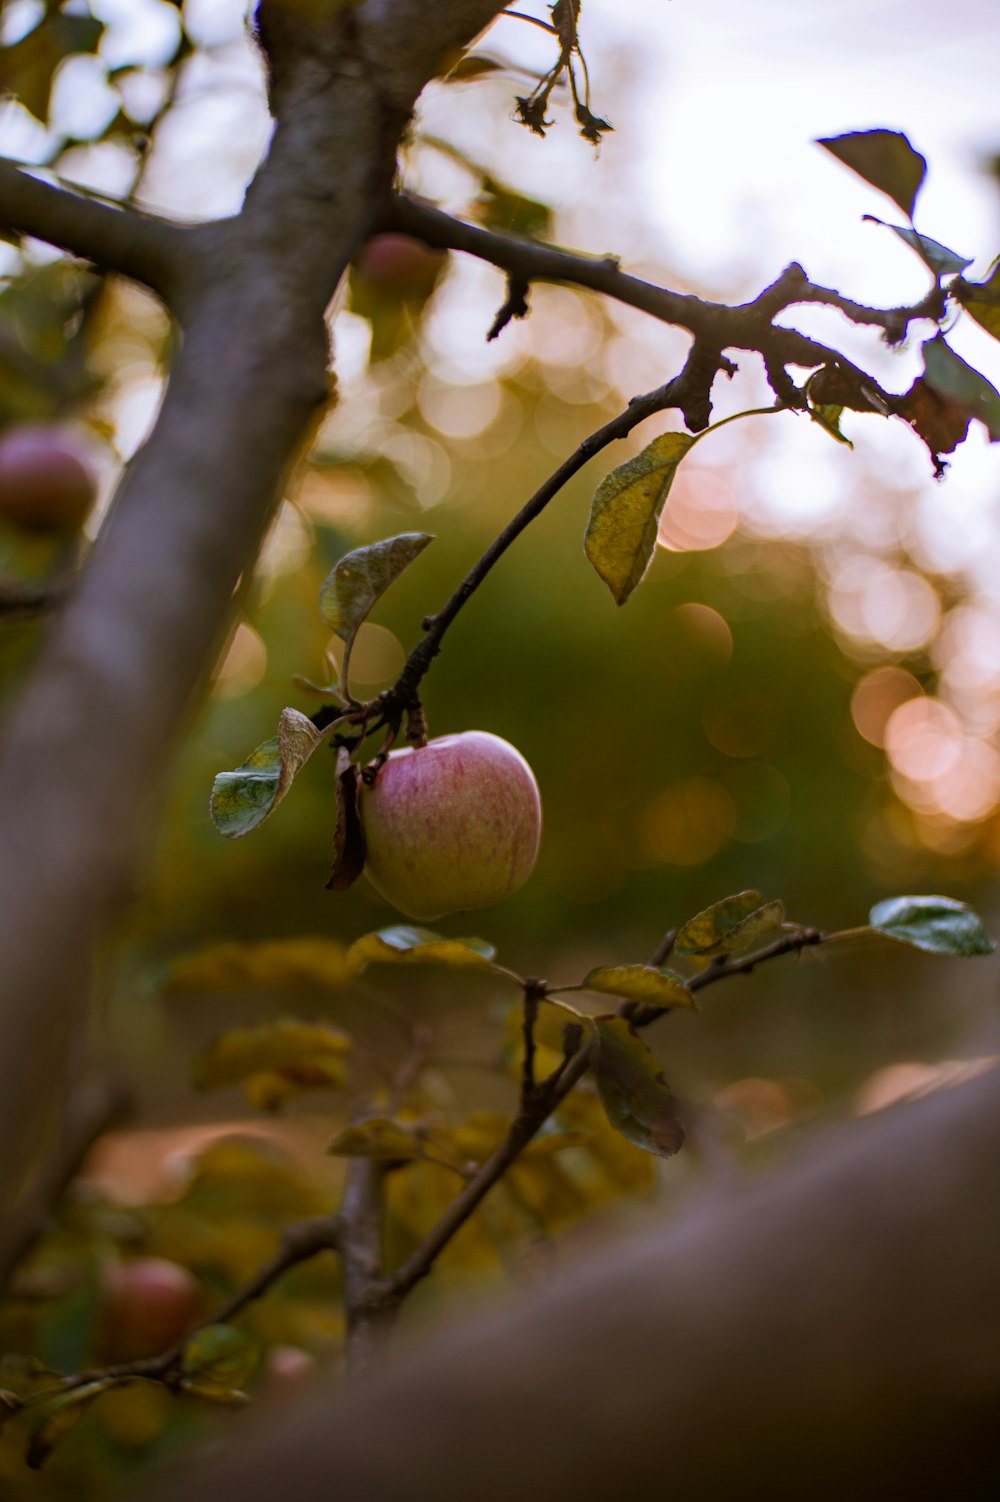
(722, 969)
(688, 391)
(152, 251)
(745, 326)
(299, 1243)
(759, 1335)
(534, 1111)
(152, 604)
(538, 1101)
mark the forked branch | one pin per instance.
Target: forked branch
(124, 240)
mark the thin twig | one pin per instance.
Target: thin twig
(664, 949)
(299, 1243)
(677, 392)
(523, 1128)
(536, 1108)
(722, 969)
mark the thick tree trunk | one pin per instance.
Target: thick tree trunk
(84, 759)
(831, 1331)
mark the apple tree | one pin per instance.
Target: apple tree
(825, 1293)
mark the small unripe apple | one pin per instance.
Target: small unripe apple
(47, 483)
(451, 825)
(400, 264)
(149, 1305)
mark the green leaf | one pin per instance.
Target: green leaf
(730, 925)
(982, 301)
(59, 1417)
(959, 384)
(357, 581)
(285, 1044)
(634, 1093)
(938, 924)
(470, 67)
(941, 260)
(828, 417)
(403, 945)
(883, 158)
(505, 209)
(243, 799)
(625, 514)
(218, 1361)
(274, 965)
(640, 983)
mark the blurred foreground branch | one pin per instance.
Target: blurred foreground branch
(832, 1330)
(153, 601)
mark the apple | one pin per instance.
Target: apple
(149, 1305)
(400, 264)
(451, 825)
(47, 483)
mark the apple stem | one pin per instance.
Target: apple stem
(416, 724)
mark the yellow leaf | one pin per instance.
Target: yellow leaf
(377, 1137)
(403, 945)
(730, 925)
(275, 965)
(271, 1046)
(640, 983)
(625, 514)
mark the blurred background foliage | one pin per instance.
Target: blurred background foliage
(803, 697)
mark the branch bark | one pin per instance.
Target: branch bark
(85, 756)
(744, 326)
(137, 245)
(832, 1330)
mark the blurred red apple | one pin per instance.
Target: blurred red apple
(149, 1305)
(451, 825)
(46, 481)
(400, 264)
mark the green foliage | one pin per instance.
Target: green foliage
(982, 301)
(403, 945)
(57, 1419)
(962, 387)
(275, 1059)
(626, 510)
(883, 158)
(730, 925)
(941, 260)
(377, 1137)
(243, 799)
(641, 983)
(633, 1090)
(939, 925)
(273, 965)
(218, 1362)
(361, 577)
(828, 417)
